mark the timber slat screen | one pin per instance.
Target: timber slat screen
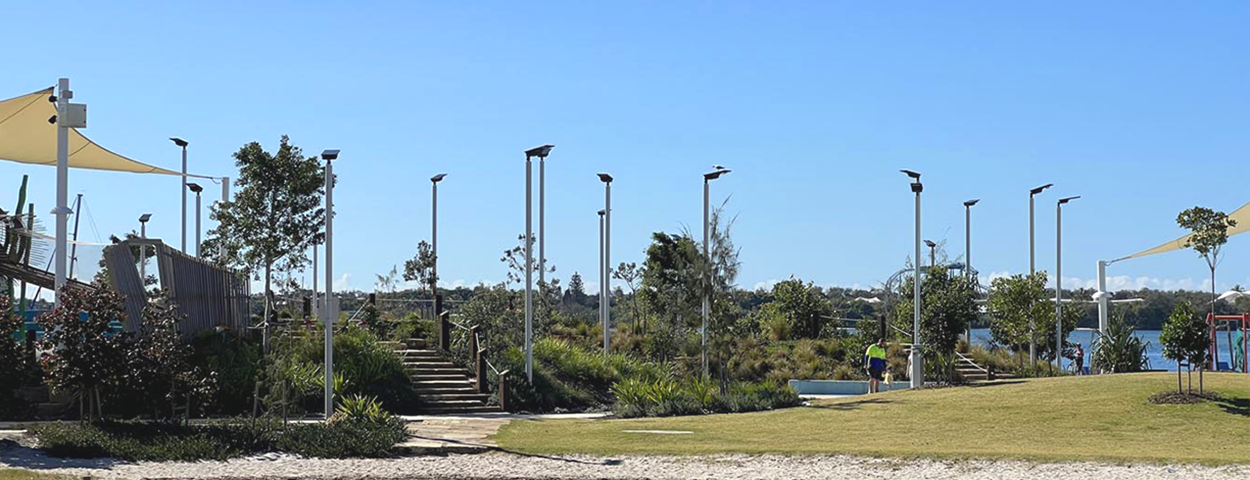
(209, 296)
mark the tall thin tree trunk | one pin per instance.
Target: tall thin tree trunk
(1179, 386)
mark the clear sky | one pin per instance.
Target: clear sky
(1143, 108)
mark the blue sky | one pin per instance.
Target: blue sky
(1142, 108)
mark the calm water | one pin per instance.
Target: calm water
(1154, 349)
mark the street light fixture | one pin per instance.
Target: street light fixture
(605, 288)
(195, 187)
(183, 143)
(541, 152)
(1032, 265)
(1059, 279)
(917, 359)
(707, 257)
(330, 308)
(932, 252)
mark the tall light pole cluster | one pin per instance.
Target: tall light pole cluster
(542, 153)
(605, 287)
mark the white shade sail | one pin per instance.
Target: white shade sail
(26, 136)
(1241, 216)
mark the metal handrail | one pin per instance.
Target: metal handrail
(972, 362)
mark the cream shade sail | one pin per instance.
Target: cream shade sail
(27, 137)
(1241, 216)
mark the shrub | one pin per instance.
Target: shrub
(342, 439)
(14, 362)
(366, 365)
(567, 377)
(144, 441)
(235, 362)
(666, 397)
(1119, 350)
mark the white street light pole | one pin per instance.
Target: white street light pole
(62, 210)
(707, 258)
(917, 359)
(434, 231)
(195, 187)
(541, 153)
(968, 251)
(330, 311)
(1059, 279)
(1033, 268)
(606, 285)
(183, 188)
(542, 223)
(602, 319)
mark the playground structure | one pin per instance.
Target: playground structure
(1241, 325)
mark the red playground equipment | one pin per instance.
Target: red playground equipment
(1237, 353)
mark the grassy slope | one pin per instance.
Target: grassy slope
(1094, 418)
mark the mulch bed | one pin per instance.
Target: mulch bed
(1174, 398)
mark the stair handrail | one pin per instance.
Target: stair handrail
(478, 352)
(972, 362)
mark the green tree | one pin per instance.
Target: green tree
(948, 306)
(1208, 234)
(275, 216)
(90, 356)
(669, 292)
(1017, 312)
(802, 306)
(631, 274)
(1185, 339)
(420, 267)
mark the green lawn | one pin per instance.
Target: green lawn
(1103, 417)
(16, 474)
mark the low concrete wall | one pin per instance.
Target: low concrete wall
(839, 387)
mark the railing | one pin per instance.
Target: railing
(481, 365)
(970, 361)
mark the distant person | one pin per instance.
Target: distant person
(1078, 356)
(874, 361)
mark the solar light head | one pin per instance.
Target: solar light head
(145, 217)
(913, 174)
(328, 155)
(195, 187)
(540, 152)
(715, 175)
(601, 212)
(972, 202)
(438, 178)
(605, 178)
(178, 141)
(930, 243)
(1038, 190)
(1068, 199)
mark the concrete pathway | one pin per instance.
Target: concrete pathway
(467, 433)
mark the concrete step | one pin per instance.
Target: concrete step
(439, 376)
(442, 383)
(434, 410)
(428, 363)
(438, 398)
(446, 390)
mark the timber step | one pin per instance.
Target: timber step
(442, 386)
